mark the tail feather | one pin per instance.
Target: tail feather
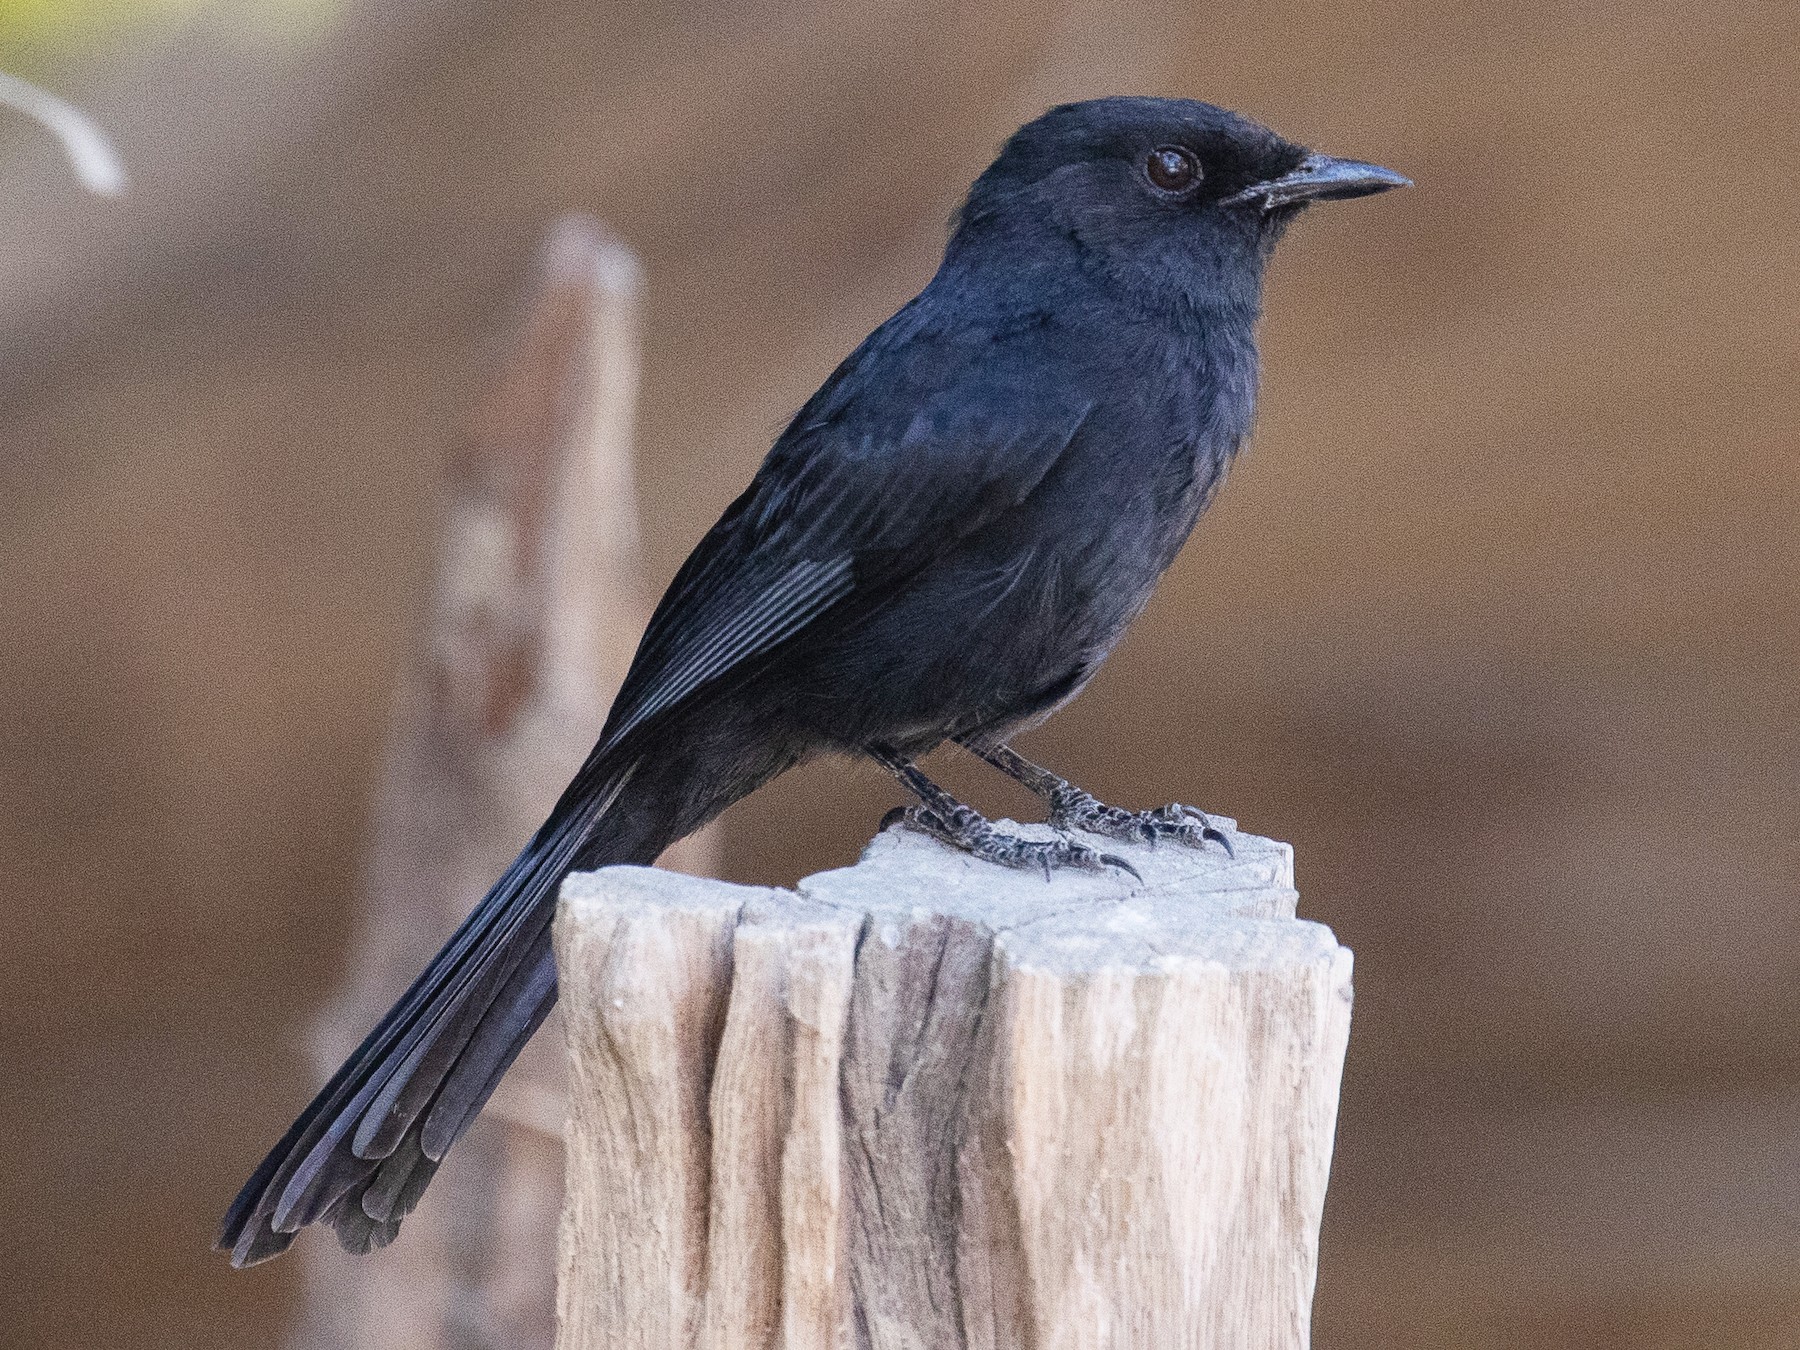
(363, 1151)
(484, 993)
(466, 1088)
(381, 1198)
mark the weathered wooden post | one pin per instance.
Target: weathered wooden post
(923, 1103)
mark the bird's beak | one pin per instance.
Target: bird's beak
(1320, 178)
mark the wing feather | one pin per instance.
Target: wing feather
(914, 443)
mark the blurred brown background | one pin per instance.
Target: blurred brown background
(1496, 622)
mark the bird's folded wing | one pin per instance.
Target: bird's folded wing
(864, 489)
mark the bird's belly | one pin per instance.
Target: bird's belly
(995, 633)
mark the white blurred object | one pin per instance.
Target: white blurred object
(95, 161)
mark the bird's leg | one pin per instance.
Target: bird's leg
(1073, 809)
(965, 828)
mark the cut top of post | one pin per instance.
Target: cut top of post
(903, 871)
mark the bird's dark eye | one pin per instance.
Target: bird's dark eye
(1172, 168)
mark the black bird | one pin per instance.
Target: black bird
(944, 544)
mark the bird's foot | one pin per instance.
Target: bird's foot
(967, 829)
(1073, 809)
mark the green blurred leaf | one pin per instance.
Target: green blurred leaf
(46, 34)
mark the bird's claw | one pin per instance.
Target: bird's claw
(1207, 829)
(1114, 860)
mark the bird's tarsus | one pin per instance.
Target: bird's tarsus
(1073, 809)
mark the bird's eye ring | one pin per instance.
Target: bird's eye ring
(1172, 168)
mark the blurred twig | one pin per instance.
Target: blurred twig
(533, 620)
(95, 161)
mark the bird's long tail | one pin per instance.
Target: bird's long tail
(361, 1154)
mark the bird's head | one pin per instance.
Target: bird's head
(1177, 196)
